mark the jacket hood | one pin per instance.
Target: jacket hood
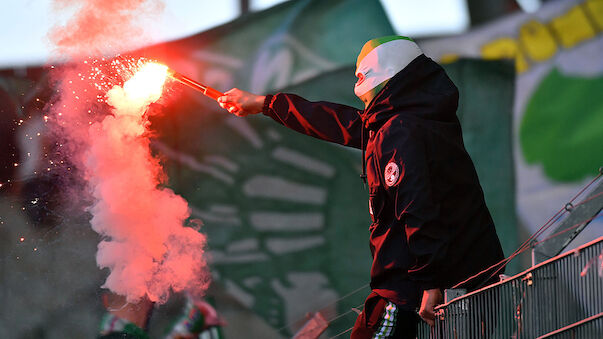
(422, 90)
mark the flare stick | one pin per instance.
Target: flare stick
(206, 90)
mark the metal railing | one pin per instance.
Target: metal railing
(559, 293)
(587, 328)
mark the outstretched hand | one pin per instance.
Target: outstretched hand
(431, 299)
(241, 103)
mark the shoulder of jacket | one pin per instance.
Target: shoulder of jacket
(397, 129)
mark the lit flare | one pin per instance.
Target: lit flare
(147, 83)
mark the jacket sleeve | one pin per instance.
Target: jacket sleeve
(323, 120)
(416, 208)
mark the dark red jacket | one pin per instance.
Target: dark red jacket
(431, 227)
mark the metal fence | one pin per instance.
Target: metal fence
(559, 298)
(587, 328)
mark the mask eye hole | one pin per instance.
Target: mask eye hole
(361, 78)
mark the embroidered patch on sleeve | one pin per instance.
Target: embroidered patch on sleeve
(391, 174)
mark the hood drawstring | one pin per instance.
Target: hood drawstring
(363, 175)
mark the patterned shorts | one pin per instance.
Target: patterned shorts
(381, 318)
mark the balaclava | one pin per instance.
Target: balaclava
(379, 60)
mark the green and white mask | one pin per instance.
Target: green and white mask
(379, 60)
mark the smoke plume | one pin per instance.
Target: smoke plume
(102, 27)
(101, 115)
(147, 250)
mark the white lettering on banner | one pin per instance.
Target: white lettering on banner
(276, 67)
(219, 72)
(285, 61)
(296, 289)
(303, 161)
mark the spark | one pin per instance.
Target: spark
(147, 82)
(22, 239)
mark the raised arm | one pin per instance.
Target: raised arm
(324, 120)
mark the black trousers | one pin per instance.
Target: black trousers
(381, 318)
